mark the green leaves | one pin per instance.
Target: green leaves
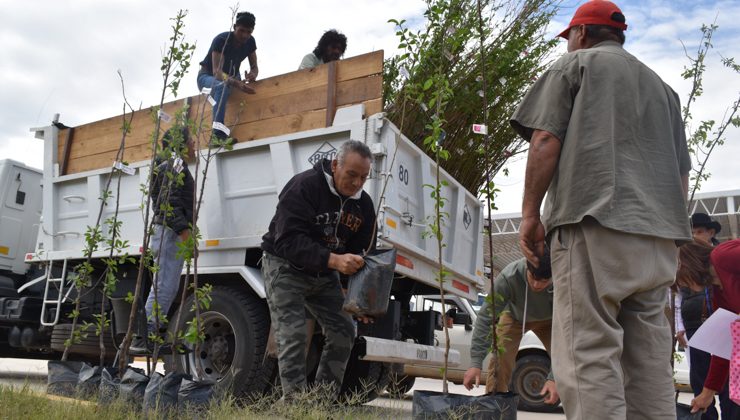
(710, 133)
(442, 58)
(176, 61)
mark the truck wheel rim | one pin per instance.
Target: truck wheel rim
(533, 379)
(218, 348)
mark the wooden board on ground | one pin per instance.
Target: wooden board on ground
(283, 104)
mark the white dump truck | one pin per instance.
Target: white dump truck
(292, 121)
(20, 209)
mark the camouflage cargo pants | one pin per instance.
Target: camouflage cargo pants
(290, 293)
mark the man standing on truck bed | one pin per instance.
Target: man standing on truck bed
(331, 47)
(219, 70)
(606, 137)
(322, 222)
(171, 193)
(523, 302)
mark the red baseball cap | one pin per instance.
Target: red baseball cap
(596, 12)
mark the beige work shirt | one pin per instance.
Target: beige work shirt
(623, 143)
(310, 61)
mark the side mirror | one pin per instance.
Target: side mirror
(462, 318)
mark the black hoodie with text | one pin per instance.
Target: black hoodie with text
(312, 220)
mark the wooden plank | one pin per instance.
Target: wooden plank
(308, 120)
(241, 110)
(107, 136)
(289, 83)
(359, 90)
(360, 66)
(331, 93)
(293, 123)
(107, 130)
(372, 107)
(60, 144)
(105, 159)
(65, 153)
(347, 69)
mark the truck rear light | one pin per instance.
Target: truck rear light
(29, 256)
(390, 222)
(457, 284)
(401, 260)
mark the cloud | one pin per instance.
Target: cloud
(62, 57)
(657, 33)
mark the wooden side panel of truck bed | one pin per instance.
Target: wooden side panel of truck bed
(297, 101)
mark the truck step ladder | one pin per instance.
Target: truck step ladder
(60, 293)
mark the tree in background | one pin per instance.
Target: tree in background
(516, 51)
(704, 138)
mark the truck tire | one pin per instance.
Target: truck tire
(528, 379)
(236, 326)
(363, 381)
(88, 346)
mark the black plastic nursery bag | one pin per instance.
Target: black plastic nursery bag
(370, 288)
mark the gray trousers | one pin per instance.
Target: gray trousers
(167, 279)
(290, 293)
(611, 341)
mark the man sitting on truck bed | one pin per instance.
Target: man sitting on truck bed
(323, 221)
(171, 193)
(523, 301)
(219, 70)
(331, 47)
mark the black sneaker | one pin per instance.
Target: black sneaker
(140, 346)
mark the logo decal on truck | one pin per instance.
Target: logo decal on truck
(467, 218)
(326, 151)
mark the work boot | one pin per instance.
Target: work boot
(220, 135)
(141, 346)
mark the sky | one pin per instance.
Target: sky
(63, 57)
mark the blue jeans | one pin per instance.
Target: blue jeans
(219, 91)
(167, 279)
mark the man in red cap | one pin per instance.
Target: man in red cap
(607, 145)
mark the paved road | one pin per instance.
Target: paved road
(32, 373)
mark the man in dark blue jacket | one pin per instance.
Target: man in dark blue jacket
(323, 223)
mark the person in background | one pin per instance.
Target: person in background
(450, 317)
(608, 145)
(219, 70)
(719, 269)
(705, 228)
(331, 47)
(172, 224)
(523, 302)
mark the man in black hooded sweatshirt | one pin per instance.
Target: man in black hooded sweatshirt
(322, 226)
